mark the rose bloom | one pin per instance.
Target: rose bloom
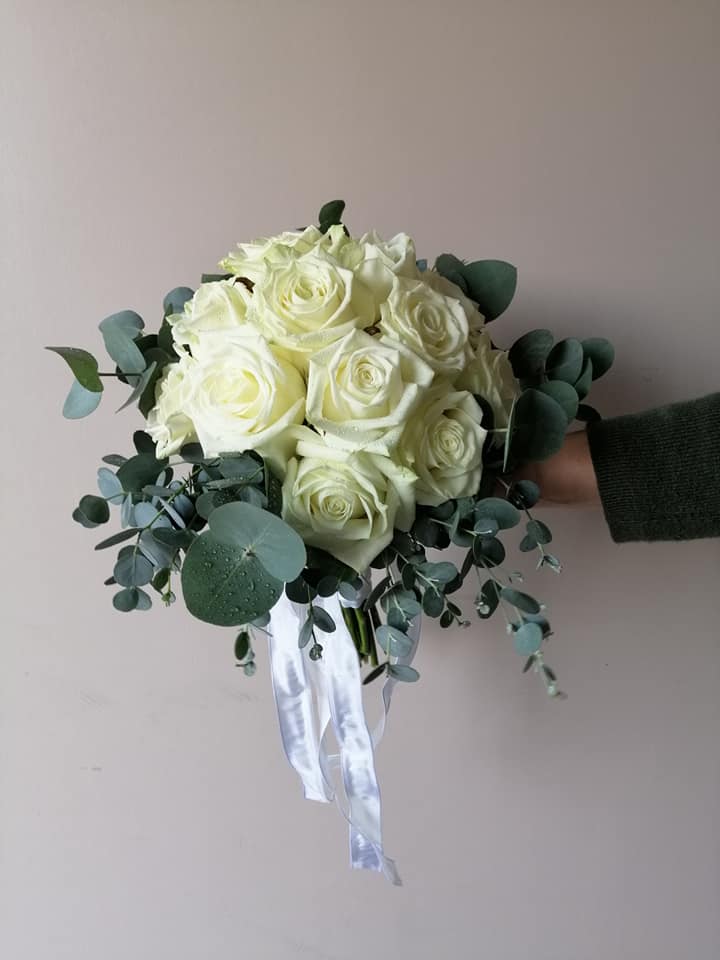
(440, 283)
(490, 376)
(346, 503)
(168, 423)
(433, 325)
(251, 260)
(220, 305)
(443, 443)
(306, 302)
(362, 390)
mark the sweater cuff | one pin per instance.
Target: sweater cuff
(658, 472)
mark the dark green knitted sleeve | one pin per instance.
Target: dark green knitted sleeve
(659, 472)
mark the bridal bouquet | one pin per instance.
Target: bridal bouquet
(328, 406)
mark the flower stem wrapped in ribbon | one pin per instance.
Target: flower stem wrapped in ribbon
(327, 407)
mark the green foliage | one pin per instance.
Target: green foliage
(582, 384)
(330, 214)
(394, 642)
(565, 361)
(91, 511)
(83, 365)
(257, 533)
(563, 394)
(225, 585)
(601, 353)
(139, 471)
(501, 511)
(405, 674)
(132, 569)
(80, 402)
(490, 283)
(119, 331)
(539, 426)
(522, 601)
(528, 354)
(175, 300)
(528, 638)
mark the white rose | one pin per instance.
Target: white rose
(346, 503)
(443, 444)
(362, 390)
(307, 302)
(433, 325)
(250, 260)
(383, 260)
(490, 376)
(220, 305)
(244, 397)
(168, 423)
(440, 283)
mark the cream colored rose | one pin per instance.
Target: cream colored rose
(440, 283)
(220, 305)
(346, 503)
(443, 444)
(362, 390)
(243, 396)
(250, 260)
(433, 325)
(489, 375)
(307, 302)
(168, 423)
(383, 260)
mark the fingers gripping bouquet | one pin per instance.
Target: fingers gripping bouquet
(326, 406)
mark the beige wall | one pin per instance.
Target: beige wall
(146, 809)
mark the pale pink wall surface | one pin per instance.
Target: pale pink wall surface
(146, 808)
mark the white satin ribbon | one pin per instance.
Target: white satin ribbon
(322, 698)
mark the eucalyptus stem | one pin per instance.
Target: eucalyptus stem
(362, 626)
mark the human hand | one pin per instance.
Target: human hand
(568, 477)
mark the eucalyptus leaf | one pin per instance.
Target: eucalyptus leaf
(80, 402)
(139, 471)
(322, 620)
(528, 638)
(582, 384)
(175, 300)
(306, 633)
(117, 538)
(114, 459)
(491, 284)
(126, 600)
(501, 511)
(242, 645)
(563, 394)
(539, 531)
(394, 642)
(565, 361)
(524, 494)
(260, 534)
(330, 214)
(83, 365)
(375, 673)
(539, 425)
(92, 511)
(224, 584)
(133, 569)
(140, 385)
(399, 671)
(602, 354)
(527, 355)
(432, 602)
(118, 332)
(109, 485)
(523, 601)
(144, 602)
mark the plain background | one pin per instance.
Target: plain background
(147, 811)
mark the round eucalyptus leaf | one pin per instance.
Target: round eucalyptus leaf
(528, 638)
(433, 602)
(539, 531)
(490, 553)
(133, 569)
(602, 354)
(299, 591)
(524, 494)
(330, 214)
(523, 601)
(80, 402)
(498, 509)
(582, 384)
(491, 284)
(485, 526)
(126, 600)
(442, 572)
(92, 511)
(119, 332)
(527, 544)
(539, 426)
(242, 645)
(565, 361)
(327, 586)
(527, 355)
(109, 485)
(260, 534)
(224, 584)
(175, 300)
(488, 599)
(563, 394)
(399, 671)
(144, 601)
(393, 641)
(139, 471)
